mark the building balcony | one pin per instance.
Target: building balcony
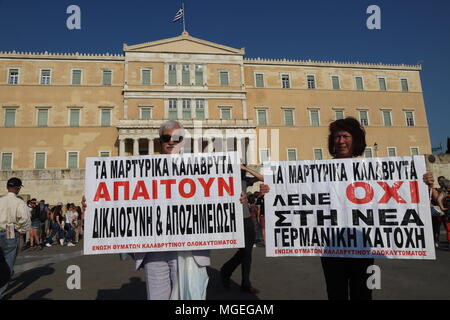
(190, 123)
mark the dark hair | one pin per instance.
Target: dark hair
(441, 177)
(352, 126)
(57, 210)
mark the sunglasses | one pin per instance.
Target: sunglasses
(166, 138)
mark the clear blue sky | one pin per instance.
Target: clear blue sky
(412, 32)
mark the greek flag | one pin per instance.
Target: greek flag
(178, 16)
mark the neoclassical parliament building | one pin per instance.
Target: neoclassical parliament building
(59, 108)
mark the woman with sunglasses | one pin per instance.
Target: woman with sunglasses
(162, 268)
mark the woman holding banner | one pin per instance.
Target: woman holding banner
(346, 277)
(174, 275)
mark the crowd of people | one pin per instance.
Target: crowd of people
(440, 209)
(182, 274)
(59, 224)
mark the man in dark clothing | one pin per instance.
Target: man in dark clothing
(243, 256)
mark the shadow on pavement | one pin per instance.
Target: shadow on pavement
(134, 290)
(216, 291)
(39, 295)
(26, 278)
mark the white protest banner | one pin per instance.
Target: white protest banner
(360, 208)
(163, 203)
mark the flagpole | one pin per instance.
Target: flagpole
(184, 13)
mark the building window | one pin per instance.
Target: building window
(173, 110)
(42, 117)
(173, 74)
(285, 81)
(405, 87)
(74, 117)
(339, 114)
(414, 151)
(185, 75)
(10, 117)
(105, 154)
(146, 113)
(318, 154)
(39, 160)
(45, 76)
(311, 79)
(107, 77)
(225, 113)
(314, 117)
(72, 160)
(292, 154)
(359, 83)
(146, 75)
(259, 80)
(387, 118)
(392, 152)
(76, 77)
(288, 117)
(224, 81)
(7, 161)
(382, 84)
(368, 153)
(264, 155)
(105, 117)
(364, 117)
(187, 109)
(200, 109)
(199, 75)
(335, 82)
(262, 117)
(13, 77)
(409, 115)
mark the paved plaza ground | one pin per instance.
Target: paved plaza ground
(43, 275)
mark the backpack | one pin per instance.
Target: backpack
(39, 214)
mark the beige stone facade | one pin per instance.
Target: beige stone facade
(58, 109)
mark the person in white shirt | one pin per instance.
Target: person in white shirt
(70, 224)
(14, 220)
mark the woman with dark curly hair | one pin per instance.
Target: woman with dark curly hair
(346, 277)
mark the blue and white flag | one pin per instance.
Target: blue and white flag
(179, 15)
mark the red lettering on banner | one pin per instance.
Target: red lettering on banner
(391, 192)
(155, 189)
(227, 187)
(102, 192)
(168, 184)
(126, 192)
(140, 191)
(351, 192)
(206, 185)
(414, 189)
(191, 183)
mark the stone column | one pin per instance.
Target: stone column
(151, 146)
(195, 142)
(136, 147)
(252, 151)
(210, 147)
(121, 147)
(239, 148)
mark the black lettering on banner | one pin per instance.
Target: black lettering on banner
(281, 218)
(358, 215)
(159, 228)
